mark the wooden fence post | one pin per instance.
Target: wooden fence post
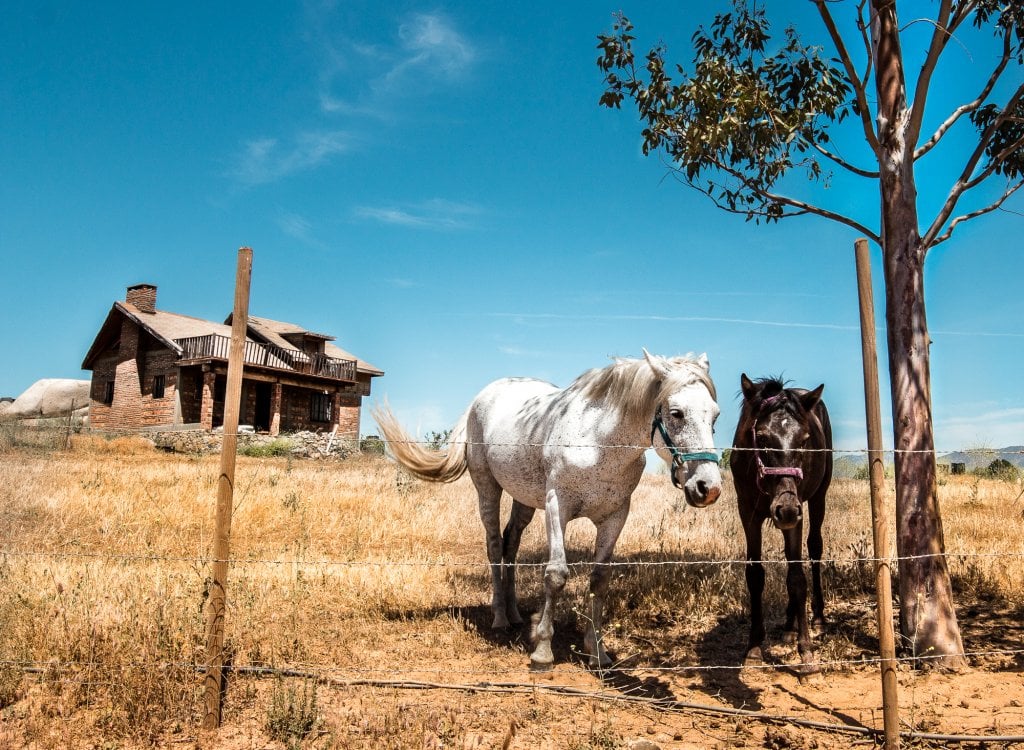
(214, 680)
(879, 517)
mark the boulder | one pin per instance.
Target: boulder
(50, 397)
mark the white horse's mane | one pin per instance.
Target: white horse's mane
(634, 385)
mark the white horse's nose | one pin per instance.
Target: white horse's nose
(704, 487)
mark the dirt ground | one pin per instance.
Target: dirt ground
(643, 708)
(459, 702)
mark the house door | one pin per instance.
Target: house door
(261, 419)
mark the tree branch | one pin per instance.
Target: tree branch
(851, 73)
(966, 182)
(839, 160)
(940, 36)
(972, 105)
(865, 39)
(996, 161)
(801, 206)
(974, 214)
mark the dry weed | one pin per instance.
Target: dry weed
(351, 568)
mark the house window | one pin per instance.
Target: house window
(320, 407)
(159, 383)
(108, 392)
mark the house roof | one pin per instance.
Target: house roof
(274, 331)
(168, 326)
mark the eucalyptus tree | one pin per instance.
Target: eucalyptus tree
(753, 111)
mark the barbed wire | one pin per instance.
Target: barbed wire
(738, 449)
(433, 443)
(326, 562)
(623, 666)
(353, 677)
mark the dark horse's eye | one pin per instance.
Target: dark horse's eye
(675, 414)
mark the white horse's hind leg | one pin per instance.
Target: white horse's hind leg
(489, 494)
(517, 522)
(608, 532)
(556, 573)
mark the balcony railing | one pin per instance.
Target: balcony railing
(267, 355)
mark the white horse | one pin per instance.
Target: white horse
(577, 452)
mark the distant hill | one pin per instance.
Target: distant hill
(979, 458)
(849, 466)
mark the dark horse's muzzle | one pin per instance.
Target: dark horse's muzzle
(786, 510)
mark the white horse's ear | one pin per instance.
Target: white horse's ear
(702, 360)
(657, 364)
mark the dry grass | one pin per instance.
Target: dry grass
(353, 570)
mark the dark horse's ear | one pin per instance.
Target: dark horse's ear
(749, 389)
(810, 399)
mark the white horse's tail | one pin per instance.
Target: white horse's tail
(434, 466)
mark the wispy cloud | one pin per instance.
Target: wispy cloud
(435, 214)
(430, 45)
(265, 160)
(402, 283)
(294, 225)
(671, 319)
(298, 227)
(366, 79)
(1010, 415)
(517, 351)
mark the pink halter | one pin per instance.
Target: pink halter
(770, 471)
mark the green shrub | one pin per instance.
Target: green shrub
(1002, 469)
(372, 444)
(278, 447)
(293, 715)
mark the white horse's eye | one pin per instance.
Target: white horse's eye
(675, 414)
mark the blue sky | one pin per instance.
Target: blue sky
(435, 185)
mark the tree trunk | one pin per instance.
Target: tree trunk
(927, 617)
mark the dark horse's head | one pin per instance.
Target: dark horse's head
(778, 430)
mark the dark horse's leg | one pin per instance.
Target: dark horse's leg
(796, 586)
(796, 583)
(518, 520)
(755, 589)
(816, 515)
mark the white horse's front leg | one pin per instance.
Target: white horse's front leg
(608, 531)
(556, 573)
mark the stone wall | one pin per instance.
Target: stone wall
(300, 444)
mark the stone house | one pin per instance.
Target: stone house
(157, 370)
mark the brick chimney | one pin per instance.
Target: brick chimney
(143, 296)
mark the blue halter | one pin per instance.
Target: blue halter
(678, 456)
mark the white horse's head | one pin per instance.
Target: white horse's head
(683, 427)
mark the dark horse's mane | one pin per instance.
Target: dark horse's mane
(770, 386)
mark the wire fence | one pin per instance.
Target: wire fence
(76, 670)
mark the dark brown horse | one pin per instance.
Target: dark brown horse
(782, 458)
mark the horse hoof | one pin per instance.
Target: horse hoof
(818, 625)
(754, 658)
(541, 666)
(808, 673)
(599, 662)
(810, 678)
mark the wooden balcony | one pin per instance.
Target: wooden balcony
(215, 347)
